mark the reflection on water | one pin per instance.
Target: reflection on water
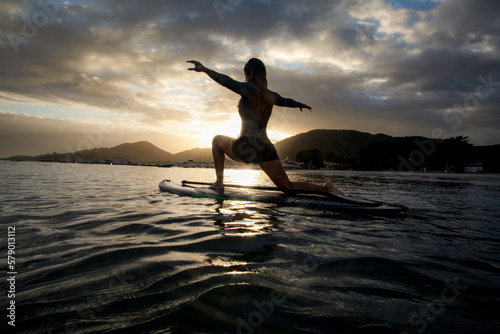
(244, 177)
(102, 250)
(244, 218)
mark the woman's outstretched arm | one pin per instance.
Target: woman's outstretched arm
(290, 103)
(222, 79)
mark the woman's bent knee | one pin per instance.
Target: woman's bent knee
(216, 140)
(220, 141)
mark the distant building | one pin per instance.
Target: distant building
(473, 167)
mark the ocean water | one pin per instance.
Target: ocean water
(99, 249)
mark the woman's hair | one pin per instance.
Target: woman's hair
(255, 71)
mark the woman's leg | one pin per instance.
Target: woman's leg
(221, 145)
(277, 174)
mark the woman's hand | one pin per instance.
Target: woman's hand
(198, 67)
(305, 106)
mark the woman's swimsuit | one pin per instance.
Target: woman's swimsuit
(253, 145)
(254, 150)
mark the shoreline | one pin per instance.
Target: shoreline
(434, 175)
(425, 175)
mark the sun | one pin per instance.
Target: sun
(230, 127)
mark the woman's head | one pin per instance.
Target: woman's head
(255, 73)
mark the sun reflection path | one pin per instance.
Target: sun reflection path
(244, 220)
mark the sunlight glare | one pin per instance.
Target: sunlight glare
(243, 177)
(230, 128)
(276, 136)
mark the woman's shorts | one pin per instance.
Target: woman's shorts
(254, 150)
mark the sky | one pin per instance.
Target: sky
(84, 74)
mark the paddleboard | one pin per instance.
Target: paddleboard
(321, 200)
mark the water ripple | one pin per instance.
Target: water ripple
(100, 255)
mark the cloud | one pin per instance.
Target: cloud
(378, 66)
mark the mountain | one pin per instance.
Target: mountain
(351, 149)
(339, 142)
(196, 154)
(142, 151)
(137, 152)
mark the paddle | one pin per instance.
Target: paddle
(288, 191)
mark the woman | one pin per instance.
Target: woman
(253, 145)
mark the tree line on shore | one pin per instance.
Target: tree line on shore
(408, 154)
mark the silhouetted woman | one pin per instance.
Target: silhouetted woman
(253, 145)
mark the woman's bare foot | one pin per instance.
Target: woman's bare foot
(217, 186)
(330, 188)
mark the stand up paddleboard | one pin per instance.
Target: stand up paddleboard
(312, 199)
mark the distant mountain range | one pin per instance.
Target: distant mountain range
(342, 142)
(334, 145)
(142, 151)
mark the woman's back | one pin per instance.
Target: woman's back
(255, 109)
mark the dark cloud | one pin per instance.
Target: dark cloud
(376, 66)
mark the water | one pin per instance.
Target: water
(98, 249)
